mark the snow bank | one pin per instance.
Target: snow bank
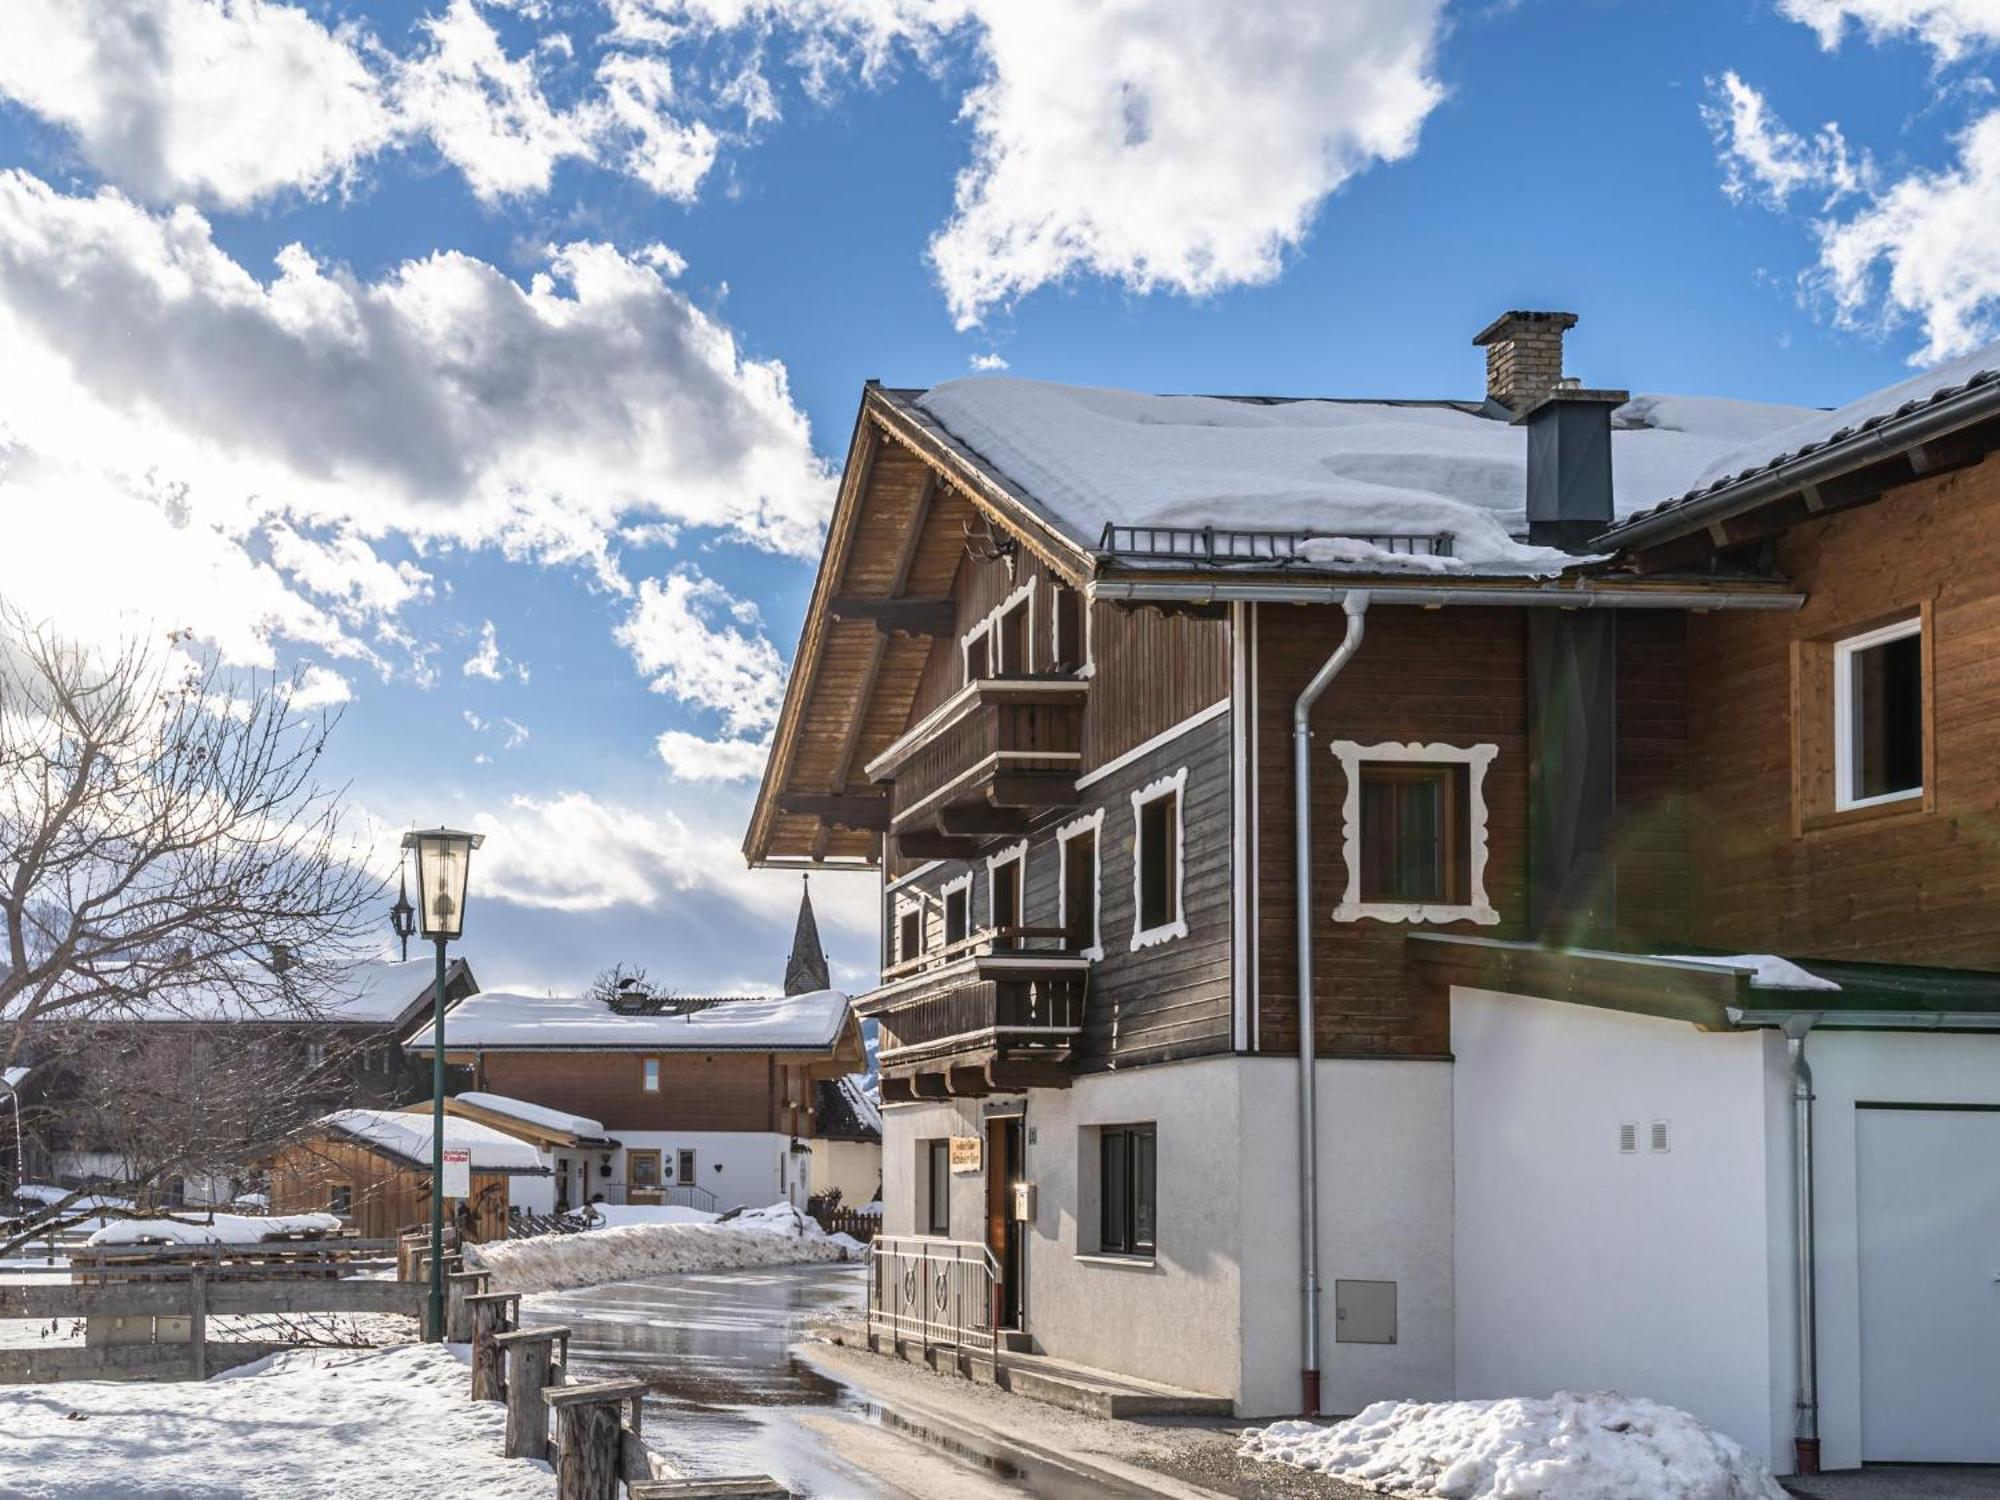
(213, 1229)
(43, 1193)
(611, 1215)
(1593, 1446)
(775, 1236)
(297, 1426)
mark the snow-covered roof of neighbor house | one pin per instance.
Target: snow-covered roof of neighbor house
(845, 1110)
(499, 1020)
(533, 1114)
(11, 1079)
(406, 1135)
(1088, 457)
(371, 992)
(1814, 431)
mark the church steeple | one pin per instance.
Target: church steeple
(806, 969)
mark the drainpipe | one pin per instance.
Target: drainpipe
(1806, 1440)
(1355, 602)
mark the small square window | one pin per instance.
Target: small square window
(340, 1199)
(649, 1075)
(1878, 710)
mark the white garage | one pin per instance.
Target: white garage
(1626, 1208)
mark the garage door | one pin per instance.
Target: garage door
(1929, 1203)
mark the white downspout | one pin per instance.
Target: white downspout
(1805, 1455)
(1355, 602)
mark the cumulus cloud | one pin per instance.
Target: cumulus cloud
(689, 757)
(320, 687)
(487, 662)
(1762, 158)
(1948, 27)
(318, 412)
(698, 643)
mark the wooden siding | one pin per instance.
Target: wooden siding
(1452, 676)
(698, 1091)
(387, 1197)
(1915, 884)
(1160, 1003)
(1649, 840)
(1153, 671)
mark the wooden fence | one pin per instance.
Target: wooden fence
(849, 1221)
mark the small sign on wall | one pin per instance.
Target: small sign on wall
(965, 1155)
(457, 1172)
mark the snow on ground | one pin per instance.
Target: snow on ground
(42, 1192)
(612, 1215)
(391, 1424)
(776, 1236)
(1572, 1446)
(212, 1229)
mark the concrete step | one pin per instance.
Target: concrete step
(1102, 1393)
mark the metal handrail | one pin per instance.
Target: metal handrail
(937, 1292)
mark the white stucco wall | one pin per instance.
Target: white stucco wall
(757, 1167)
(1583, 1268)
(855, 1167)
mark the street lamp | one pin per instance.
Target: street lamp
(443, 859)
(403, 916)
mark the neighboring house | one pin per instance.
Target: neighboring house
(711, 1100)
(575, 1149)
(846, 1142)
(1143, 706)
(336, 1044)
(373, 1168)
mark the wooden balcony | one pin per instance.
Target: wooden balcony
(983, 764)
(992, 1013)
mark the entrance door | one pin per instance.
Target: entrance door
(1003, 1230)
(1928, 1201)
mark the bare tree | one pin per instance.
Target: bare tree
(166, 850)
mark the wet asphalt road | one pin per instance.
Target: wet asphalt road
(728, 1396)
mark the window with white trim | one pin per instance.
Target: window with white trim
(1006, 887)
(1158, 868)
(1002, 643)
(909, 929)
(1078, 883)
(957, 896)
(1413, 834)
(1878, 715)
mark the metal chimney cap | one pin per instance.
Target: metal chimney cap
(1574, 395)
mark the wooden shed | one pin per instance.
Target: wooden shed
(373, 1168)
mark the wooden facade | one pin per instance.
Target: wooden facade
(383, 1195)
(748, 1091)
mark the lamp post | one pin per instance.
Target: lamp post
(443, 859)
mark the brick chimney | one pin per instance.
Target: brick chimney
(1524, 356)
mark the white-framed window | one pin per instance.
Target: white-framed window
(649, 1075)
(1159, 873)
(1414, 833)
(1007, 888)
(909, 928)
(1003, 641)
(1878, 716)
(956, 896)
(1079, 847)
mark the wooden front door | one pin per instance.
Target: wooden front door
(1003, 1231)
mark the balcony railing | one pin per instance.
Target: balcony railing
(987, 758)
(991, 1012)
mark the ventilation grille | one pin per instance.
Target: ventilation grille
(1628, 1137)
(1660, 1137)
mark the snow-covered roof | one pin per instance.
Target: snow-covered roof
(406, 1135)
(1821, 429)
(498, 1020)
(534, 1114)
(212, 1229)
(847, 1111)
(374, 991)
(1767, 971)
(11, 1080)
(1088, 457)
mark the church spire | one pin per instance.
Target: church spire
(806, 970)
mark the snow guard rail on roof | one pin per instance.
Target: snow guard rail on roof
(1214, 546)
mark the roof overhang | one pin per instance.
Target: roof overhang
(1483, 593)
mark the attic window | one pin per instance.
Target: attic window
(1065, 629)
(1878, 711)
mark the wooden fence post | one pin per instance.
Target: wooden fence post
(591, 1437)
(492, 1312)
(198, 1322)
(531, 1370)
(458, 1285)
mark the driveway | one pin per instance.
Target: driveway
(1902, 1482)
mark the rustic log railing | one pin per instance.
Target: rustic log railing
(493, 1313)
(536, 1360)
(936, 1293)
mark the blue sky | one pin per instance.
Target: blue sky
(279, 366)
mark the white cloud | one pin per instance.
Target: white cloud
(187, 408)
(223, 102)
(684, 635)
(320, 687)
(689, 757)
(988, 361)
(487, 662)
(1948, 27)
(517, 733)
(1926, 249)
(668, 154)
(1763, 158)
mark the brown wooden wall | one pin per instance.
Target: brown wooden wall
(698, 1091)
(1650, 836)
(1909, 884)
(1457, 676)
(388, 1198)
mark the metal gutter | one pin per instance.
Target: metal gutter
(1355, 602)
(1882, 440)
(1870, 1020)
(1226, 591)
